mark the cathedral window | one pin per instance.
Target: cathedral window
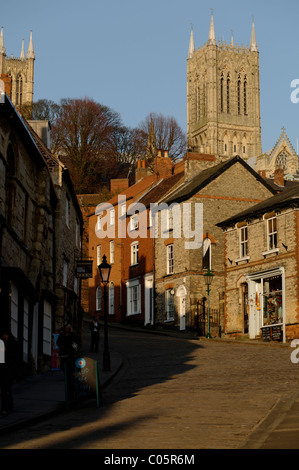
(245, 96)
(198, 102)
(227, 94)
(281, 161)
(239, 94)
(19, 90)
(221, 92)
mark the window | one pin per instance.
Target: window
(227, 94)
(169, 301)
(112, 252)
(134, 222)
(99, 299)
(134, 253)
(47, 329)
(67, 210)
(112, 216)
(99, 255)
(170, 219)
(272, 233)
(239, 94)
(243, 242)
(245, 96)
(14, 310)
(272, 301)
(99, 222)
(206, 254)
(111, 298)
(170, 259)
(221, 93)
(123, 209)
(77, 233)
(150, 218)
(133, 297)
(25, 331)
(64, 273)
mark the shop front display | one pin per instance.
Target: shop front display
(266, 298)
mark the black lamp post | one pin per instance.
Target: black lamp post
(209, 276)
(105, 269)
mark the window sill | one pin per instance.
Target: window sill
(270, 252)
(169, 321)
(133, 265)
(245, 258)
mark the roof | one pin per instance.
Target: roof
(285, 198)
(161, 189)
(203, 178)
(132, 193)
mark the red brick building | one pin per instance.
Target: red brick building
(121, 229)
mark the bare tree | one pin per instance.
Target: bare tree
(168, 135)
(83, 135)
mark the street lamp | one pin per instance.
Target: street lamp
(105, 269)
(209, 276)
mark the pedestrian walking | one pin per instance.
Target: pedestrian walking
(68, 351)
(8, 371)
(94, 327)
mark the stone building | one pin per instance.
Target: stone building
(261, 269)
(182, 258)
(17, 73)
(40, 228)
(282, 156)
(27, 236)
(223, 98)
(68, 230)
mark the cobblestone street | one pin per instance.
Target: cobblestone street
(174, 394)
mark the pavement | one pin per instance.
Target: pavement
(41, 396)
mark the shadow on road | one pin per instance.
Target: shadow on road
(148, 360)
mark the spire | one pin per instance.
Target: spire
(232, 39)
(22, 56)
(2, 47)
(253, 43)
(191, 45)
(30, 52)
(212, 36)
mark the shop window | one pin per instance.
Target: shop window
(272, 301)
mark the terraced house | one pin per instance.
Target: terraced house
(261, 269)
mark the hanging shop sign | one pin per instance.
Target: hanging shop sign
(84, 268)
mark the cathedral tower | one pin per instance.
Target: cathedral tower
(223, 97)
(17, 73)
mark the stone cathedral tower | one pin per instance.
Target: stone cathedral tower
(17, 73)
(223, 98)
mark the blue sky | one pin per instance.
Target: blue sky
(131, 55)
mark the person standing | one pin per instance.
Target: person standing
(94, 327)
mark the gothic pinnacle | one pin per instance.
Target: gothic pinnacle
(2, 47)
(22, 56)
(191, 45)
(30, 52)
(212, 36)
(253, 43)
